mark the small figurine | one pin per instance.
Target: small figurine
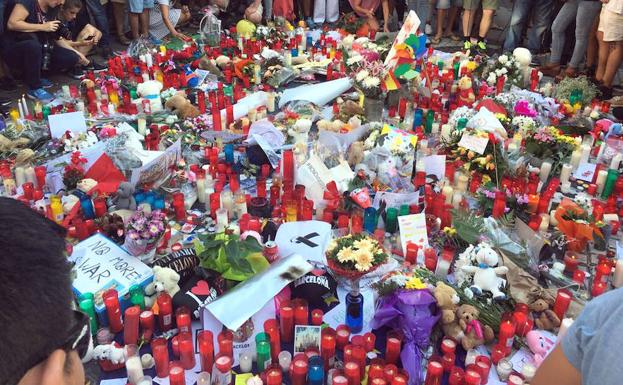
(124, 200)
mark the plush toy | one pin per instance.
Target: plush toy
(300, 130)
(245, 28)
(207, 64)
(181, 106)
(523, 58)
(223, 61)
(124, 200)
(539, 345)
(447, 302)
(109, 352)
(475, 334)
(544, 317)
(466, 93)
(150, 90)
(355, 153)
(328, 125)
(165, 280)
(486, 273)
(86, 185)
(300, 152)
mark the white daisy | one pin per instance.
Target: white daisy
(371, 82)
(361, 75)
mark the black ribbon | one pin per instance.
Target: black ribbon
(306, 239)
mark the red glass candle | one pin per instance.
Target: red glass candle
(377, 381)
(472, 377)
(327, 348)
(342, 336)
(187, 352)
(359, 356)
(507, 334)
(286, 321)
(113, 310)
(160, 352)
(99, 205)
(226, 343)
(522, 322)
(353, 373)
(340, 380)
(316, 317)
(602, 272)
(301, 312)
(447, 361)
(456, 376)
(430, 258)
(571, 262)
(177, 376)
(40, 173)
(165, 311)
(412, 250)
(434, 373)
(271, 327)
(579, 276)
(598, 288)
(497, 353)
(357, 341)
(483, 363)
(28, 188)
(261, 187)
(448, 345)
(348, 353)
(514, 379)
(389, 372)
(201, 101)
(392, 349)
(399, 380)
(183, 320)
(147, 324)
(370, 341)
(274, 376)
(298, 371)
(563, 299)
(130, 325)
(375, 370)
(205, 338)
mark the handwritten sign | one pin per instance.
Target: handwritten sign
(474, 143)
(70, 121)
(412, 229)
(100, 264)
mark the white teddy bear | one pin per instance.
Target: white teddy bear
(486, 275)
(300, 130)
(165, 280)
(109, 352)
(150, 90)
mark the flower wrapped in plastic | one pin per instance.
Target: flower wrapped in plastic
(411, 309)
(575, 223)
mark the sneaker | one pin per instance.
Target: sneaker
(40, 94)
(76, 73)
(310, 23)
(467, 45)
(45, 83)
(96, 67)
(481, 45)
(428, 29)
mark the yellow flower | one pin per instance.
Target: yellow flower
(414, 284)
(346, 255)
(471, 65)
(364, 244)
(363, 260)
(332, 245)
(449, 230)
(486, 179)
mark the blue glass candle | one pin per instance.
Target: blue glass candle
(369, 219)
(315, 373)
(150, 198)
(417, 117)
(229, 153)
(158, 202)
(354, 310)
(87, 207)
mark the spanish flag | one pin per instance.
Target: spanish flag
(390, 83)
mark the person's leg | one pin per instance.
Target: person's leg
(469, 11)
(592, 47)
(615, 57)
(87, 31)
(320, 11)
(25, 55)
(442, 8)
(268, 9)
(587, 11)
(561, 22)
(332, 11)
(144, 17)
(63, 59)
(451, 19)
(488, 10)
(136, 9)
(400, 6)
(307, 8)
(519, 16)
(604, 51)
(97, 15)
(541, 20)
(119, 11)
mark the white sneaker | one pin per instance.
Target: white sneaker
(428, 29)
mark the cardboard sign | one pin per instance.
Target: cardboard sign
(100, 264)
(412, 229)
(158, 170)
(395, 199)
(69, 121)
(585, 172)
(478, 144)
(314, 175)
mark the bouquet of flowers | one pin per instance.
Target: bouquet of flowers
(515, 200)
(576, 224)
(489, 165)
(143, 231)
(549, 142)
(504, 66)
(353, 256)
(407, 305)
(74, 172)
(352, 24)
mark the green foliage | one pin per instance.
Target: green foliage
(468, 226)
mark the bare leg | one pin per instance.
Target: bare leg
(118, 10)
(593, 45)
(144, 23)
(468, 23)
(615, 58)
(604, 50)
(485, 23)
(451, 18)
(441, 14)
(134, 24)
(307, 8)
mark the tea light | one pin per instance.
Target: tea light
(514, 379)
(504, 369)
(528, 371)
(246, 362)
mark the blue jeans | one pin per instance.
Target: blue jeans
(584, 13)
(422, 8)
(542, 15)
(97, 14)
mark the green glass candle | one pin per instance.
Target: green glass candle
(609, 185)
(404, 210)
(137, 296)
(457, 66)
(87, 306)
(391, 220)
(430, 118)
(461, 124)
(263, 355)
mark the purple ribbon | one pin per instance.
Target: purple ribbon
(415, 313)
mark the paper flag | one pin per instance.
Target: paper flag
(402, 69)
(413, 41)
(390, 82)
(411, 74)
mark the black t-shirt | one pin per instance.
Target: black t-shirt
(35, 16)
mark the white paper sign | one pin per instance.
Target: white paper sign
(435, 165)
(158, 170)
(474, 143)
(69, 121)
(395, 199)
(100, 264)
(412, 229)
(314, 175)
(585, 172)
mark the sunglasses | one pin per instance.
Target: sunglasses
(78, 339)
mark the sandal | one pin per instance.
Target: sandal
(435, 40)
(551, 70)
(454, 37)
(123, 40)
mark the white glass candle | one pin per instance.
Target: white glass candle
(565, 173)
(30, 175)
(586, 153)
(565, 187)
(528, 371)
(448, 192)
(135, 369)
(565, 324)
(461, 183)
(142, 126)
(504, 369)
(285, 358)
(245, 360)
(514, 379)
(552, 218)
(470, 358)
(546, 167)
(203, 379)
(457, 197)
(146, 380)
(544, 223)
(616, 161)
(201, 190)
(20, 176)
(227, 202)
(221, 219)
(149, 60)
(601, 180)
(576, 156)
(618, 274)
(270, 102)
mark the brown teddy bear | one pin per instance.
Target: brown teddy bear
(181, 106)
(544, 317)
(355, 153)
(476, 333)
(447, 302)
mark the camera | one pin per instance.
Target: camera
(46, 58)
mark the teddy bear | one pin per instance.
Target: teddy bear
(165, 280)
(539, 345)
(544, 317)
(181, 106)
(124, 200)
(523, 57)
(300, 130)
(150, 90)
(475, 334)
(466, 93)
(110, 352)
(223, 61)
(355, 153)
(328, 125)
(207, 64)
(447, 302)
(486, 273)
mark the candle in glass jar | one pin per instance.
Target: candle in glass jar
(246, 362)
(299, 372)
(226, 343)
(316, 317)
(301, 312)
(286, 321)
(134, 367)
(392, 350)
(353, 373)
(187, 351)
(448, 345)
(565, 173)
(528, 371)
(205, 339)
(514, 379)
(598, 288)
(546, 168)
(504, 369)
(434, 373)
(571, 262)
(483, 363)
(563, 299)
(177, 375)
(472, 377)
(130, 325)
(507, 334)
(342, 336)
(285, 358)
(461, 183)
(270, 101)
(160, 353)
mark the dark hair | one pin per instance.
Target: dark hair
(70, 4)
(35, 288)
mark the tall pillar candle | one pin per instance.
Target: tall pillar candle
(565, 173)
(576, 156)
(546, 168)
(601, 181)
(616, 161)
(586, 152)
(617, 281)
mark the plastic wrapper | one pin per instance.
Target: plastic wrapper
(123, 157)
(281, 77)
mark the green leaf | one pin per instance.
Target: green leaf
(252, 245)
(257, 262)
(198, 245)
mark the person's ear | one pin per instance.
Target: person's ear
(53, 369)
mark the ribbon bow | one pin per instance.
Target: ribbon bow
(332, 195)
(475, 324)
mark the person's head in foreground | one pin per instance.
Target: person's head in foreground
(589, 353)
(42, 337)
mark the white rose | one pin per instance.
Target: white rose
(491, 78)
(504, 71)
(503, 59)
(361, 75)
